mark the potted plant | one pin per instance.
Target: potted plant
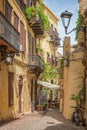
(37, 12)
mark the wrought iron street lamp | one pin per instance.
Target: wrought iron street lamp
(66, 17)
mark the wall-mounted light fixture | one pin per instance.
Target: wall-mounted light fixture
(5, 55)
(9, 58)
(66, 17)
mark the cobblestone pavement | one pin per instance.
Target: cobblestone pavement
(50, 120)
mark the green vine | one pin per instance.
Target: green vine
(38, 11)
(80, 97)
(49, 72)
(79, 22)
(38, 48)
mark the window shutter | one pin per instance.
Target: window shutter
(29, 3)
(8, 11)
(16, 21)
(32, 46)
(24, 40)
(34, 2)
(10, 89)
(21, 36)
(29, 43)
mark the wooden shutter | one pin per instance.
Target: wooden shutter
(10, 89)
(24, 40)
(34, 2)
(21, 32)
(16, 21)
(8, 11)
(32, 46)
(24, 1)
(22, 37)
(29, 3)
(29, 42)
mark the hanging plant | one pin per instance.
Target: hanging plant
(38, 48)
(39, 12)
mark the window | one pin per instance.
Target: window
(29, 3)
(21, 33)
(29, 42)
(22, 37)
(16, 21)
(33, 46)
(10, 89)
(48, 58)
(24, 40)
(8, 11)
(34, 2)
(25, 2)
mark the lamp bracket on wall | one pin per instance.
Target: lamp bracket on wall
(5, 55)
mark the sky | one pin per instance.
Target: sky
(59, 6)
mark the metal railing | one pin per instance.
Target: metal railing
(35, 61)
(9, 33)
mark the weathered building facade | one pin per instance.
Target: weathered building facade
(17, 43)
(83, 10)
(73, 77)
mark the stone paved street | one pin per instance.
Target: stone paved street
(50, 120)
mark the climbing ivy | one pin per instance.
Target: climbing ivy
(79, 97)
(79, 22)
(38, 11)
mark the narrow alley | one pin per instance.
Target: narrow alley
(41, 120)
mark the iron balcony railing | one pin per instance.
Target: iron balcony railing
(54, 36)
(36, 24)
(9, 33)
(35, 61)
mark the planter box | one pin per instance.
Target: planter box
(36, 25)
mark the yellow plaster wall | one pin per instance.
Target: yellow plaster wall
(5, 111)
(52, 17)
(46, 45)
(18, 68)
(73, 81)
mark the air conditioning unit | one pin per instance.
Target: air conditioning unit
(21, 48)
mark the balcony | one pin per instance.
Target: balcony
(36, 25)
(52, 61)
(35, 65)
(38, 21)
(9, 36)
(54, 36)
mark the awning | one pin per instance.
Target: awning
(48, 85)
